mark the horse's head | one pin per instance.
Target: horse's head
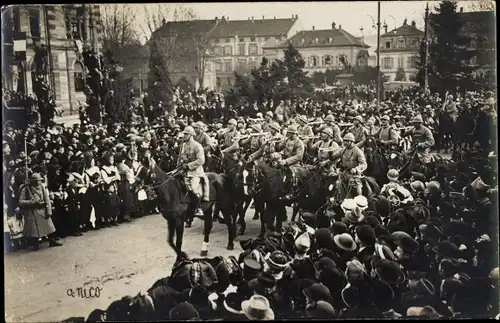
(146, 172)
(248, 174)
(396, 159)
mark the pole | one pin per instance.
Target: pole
(51, 76)
(26, 155)
(426, 44)
(378, 56)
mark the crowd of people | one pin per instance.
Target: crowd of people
(429, 255)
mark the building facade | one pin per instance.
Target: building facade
(399, 49)
(323, 49)
(62, 29)
(213, 50)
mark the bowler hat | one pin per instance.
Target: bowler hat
(365, 234)
(232, 303)
(184, 312)
(338, 228)
(389, 271)
(322, 310)
(317, 292)
(345, 242)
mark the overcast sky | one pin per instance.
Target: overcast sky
(351, 15)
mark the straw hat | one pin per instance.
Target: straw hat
(257, 308)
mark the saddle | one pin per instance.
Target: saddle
(196, 273)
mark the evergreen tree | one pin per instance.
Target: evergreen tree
(241, 92)
(159, 83)
(449, 52)
(299, 84)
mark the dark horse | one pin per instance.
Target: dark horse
(376, 160)
(446, 132)
(176, 203)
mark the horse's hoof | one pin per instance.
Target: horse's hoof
(188, 224)
(230, 247)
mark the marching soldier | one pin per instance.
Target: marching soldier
(423, 138)
(191, 160)
(269, 144)
(293, 147)
(330, 122)
(352, 162)
(323, 147)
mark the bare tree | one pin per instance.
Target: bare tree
(118, 26)
(156, 16)
(482, 5)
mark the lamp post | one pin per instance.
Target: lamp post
(426, 44)
(378, 55)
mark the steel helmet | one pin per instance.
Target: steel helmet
(349, 137)
(433, 185)
(257, 127)
(189, 131)
(359, 118)
(392, 174)
(292, 129)
(269, 113)
(275, 126)
(302, 119)
(417, 119)
(385, 117)
(329, 118)
(233, 122)
(328, 131)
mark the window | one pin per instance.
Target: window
(252, 39)
(217, 82)
(387, 44)
(327, 60)
(229, 81)
(401, 62)
(401, 43)
(78, 77)
(253, 49)
(79, 30)
(241, 49)
(34, 19)
(387, 62)
(411, 62)
(313, 61)
(316, 40)
(242, 63)
(227, 40)
(228, 50)
(217, 41)
(228, 66)
(217, 50)
(330, 39)
(251, 63)
(218, 66)
(473, 60)
(16, 18)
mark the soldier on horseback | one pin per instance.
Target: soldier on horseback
(422, 137)
(230, 143)
(325, 145)
(358, 130)
(253, 143)
(330, 122)
(352, 162)
(304, 130)
(387, 135)
(293, 148)
(191, 160)
(268, 145)
(202, 137)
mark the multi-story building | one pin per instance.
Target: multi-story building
(218, 48)
(323, 49)
(399, 48)
(62, 29)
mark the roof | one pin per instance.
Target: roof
(404, 30)
(338, 37)
(250, 28)
(186, 27)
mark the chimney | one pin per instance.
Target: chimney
(163, 21)
(333, 25)
(385, 28)
(340, 27)
(252, 18)
(413, 24)
(216, 19)
(461, 9)
(274, 17)
(405, 22)
(263, 18)
(313, 27)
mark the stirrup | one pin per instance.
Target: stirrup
(199, 212)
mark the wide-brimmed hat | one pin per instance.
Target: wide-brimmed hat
(345, 242)
(389, 271)
(422, 287)
(302, 118)
(355, 216)
(275, 126)
(321, 311)
(303, 243)
(349, 136)
(292, 129)
(348, 205)
(257, 308)
(361, 202)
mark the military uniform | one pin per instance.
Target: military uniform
(267, 149)
(231, 144)
(422, 136)
(359, 133)
(204, 139)
(336, 133)
(389, 135)
(293, 151)
(352, 158)
(306, 131)
(193, 156)
(321, 147)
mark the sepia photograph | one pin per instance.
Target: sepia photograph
(250, 161)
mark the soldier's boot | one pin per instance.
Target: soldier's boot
(198, 212)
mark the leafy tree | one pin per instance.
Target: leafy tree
(159, 82)
(449, 52)
(400, 75)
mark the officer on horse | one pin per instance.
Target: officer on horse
(422, 137)
(191, 161)
(352, 162)
(387, 135)
(293, 148)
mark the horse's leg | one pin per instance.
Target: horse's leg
(228, 214)
(240, 212)
(295, 210)
(207, 228)
(281, 217)
(179, 235)
(171, 223)
(263, 221)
